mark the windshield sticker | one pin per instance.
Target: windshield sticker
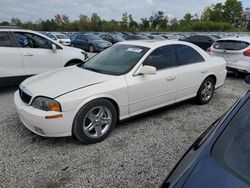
(136, 50)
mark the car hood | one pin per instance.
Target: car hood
(61, 81)
(208, 173)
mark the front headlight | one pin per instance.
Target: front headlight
(46, 104)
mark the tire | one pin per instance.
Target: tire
(94, 121)
(91, 48)
(206, 91)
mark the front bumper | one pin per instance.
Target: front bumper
(34, 120)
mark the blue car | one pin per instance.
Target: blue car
(89, 42)
(220, 157)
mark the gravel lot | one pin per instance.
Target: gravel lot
(139, 153)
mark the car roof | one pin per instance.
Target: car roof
(152, 43)
(246, 39)
(15, 30)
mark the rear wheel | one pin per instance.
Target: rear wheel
(206, 91)
(95, 121)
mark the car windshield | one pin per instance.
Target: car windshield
(230, 45)
(93, 37)
(232, 150)
(62, 36)
(116, 60)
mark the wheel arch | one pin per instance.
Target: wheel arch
(73, 61)
(112, 99)
(213, 77)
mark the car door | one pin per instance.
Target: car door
(147, 92)
(85, 42)
(36, 53)
(191, 68)
(11, 65)
(77, 41)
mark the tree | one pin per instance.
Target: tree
(83, 23)
(132, 24)
(232, 12)
(124, 22)
(95, 23)
(145, 24)
(159, 20)
(229, 12)
(16, 21)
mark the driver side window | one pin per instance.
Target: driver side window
(161, 58)
(30, 40)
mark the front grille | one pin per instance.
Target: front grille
(24, 96)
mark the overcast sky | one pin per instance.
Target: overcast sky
(32, 10)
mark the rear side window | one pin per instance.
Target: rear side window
(187, 55)
(5, 40)
(161, 58)
(232, 149)
(230, 45)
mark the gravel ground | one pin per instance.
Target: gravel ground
(139, 153)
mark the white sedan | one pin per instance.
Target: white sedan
(125, 80)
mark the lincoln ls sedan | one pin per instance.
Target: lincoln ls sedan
(127, 79)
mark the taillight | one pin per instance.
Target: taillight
(209, 49)
(247, 53)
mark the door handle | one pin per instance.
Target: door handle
(170, 78)
(203, 71)
(28, 54)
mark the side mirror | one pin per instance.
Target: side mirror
(146, 70)
(247, 79)
(53, 48)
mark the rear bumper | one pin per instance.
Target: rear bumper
(239, 66)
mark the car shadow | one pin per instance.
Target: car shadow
(8, 89)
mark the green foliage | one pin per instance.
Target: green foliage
(229, 12)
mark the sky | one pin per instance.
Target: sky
(32, 10)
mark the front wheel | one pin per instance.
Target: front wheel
(206, 91)
(95, 121)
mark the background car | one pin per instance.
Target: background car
(25, 53)
(89, 42)
(203, 41)
(220, 156)
(135, 37)
(113, 38)
(236, 52)
(60, 37)
(155, 37)
(88, 100)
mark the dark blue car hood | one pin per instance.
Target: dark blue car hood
(209, 174)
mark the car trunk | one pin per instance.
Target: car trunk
(230, 50)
